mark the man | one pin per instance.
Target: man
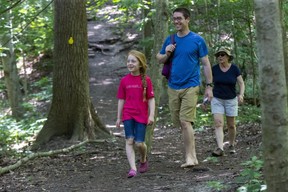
(183, 84)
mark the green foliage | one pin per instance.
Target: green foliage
(216, 185)
(45, 85)
(147, 42)
(249, 113)
(180, 3)
(249, 88)
(101, 11)
(211, 159)
(128, 4)
(30, 26)
(16, 134)
(95, 4)
(284, 7)
(203, 117)
(252, 175)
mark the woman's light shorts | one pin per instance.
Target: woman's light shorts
(228, 107)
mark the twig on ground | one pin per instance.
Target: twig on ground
(44, 154)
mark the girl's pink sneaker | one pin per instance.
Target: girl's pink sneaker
(143, 167)
(132, 173)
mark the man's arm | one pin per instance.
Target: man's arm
(208, 76)
(162, 58)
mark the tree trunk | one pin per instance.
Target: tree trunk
(11, 77)
(72, 113)
(285, 38)
(274, 94)
(147, 30)
(160, 24)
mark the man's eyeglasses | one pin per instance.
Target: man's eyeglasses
(177, 18)
(221, 54)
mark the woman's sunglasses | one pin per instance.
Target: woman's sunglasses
(221, 54)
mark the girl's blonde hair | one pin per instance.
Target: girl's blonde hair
(143, 68)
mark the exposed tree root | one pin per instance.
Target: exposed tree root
(45, 154)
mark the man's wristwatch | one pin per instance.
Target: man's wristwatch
(209, 84)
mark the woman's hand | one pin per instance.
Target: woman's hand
(240, 99)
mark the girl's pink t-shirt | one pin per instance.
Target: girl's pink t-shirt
(131, 90)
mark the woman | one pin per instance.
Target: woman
(225, 100)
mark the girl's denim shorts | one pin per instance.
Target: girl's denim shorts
(134, 130)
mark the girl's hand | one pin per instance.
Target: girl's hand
(150, 120)
(118, 122)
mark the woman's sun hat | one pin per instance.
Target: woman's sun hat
(224, 50)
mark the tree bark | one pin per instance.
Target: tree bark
(274, 94)
(12, 81)
(147, 30)
(285, 38)
(72, 113)
(160, 24)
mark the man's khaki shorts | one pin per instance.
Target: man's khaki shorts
(182, 104)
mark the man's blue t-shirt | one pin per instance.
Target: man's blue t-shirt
(185, 70)
(225, 82)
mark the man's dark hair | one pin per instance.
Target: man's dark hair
(184, 11)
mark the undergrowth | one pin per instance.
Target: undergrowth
(252, 176)
(14, 135)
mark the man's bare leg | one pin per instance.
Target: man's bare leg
(189, 144)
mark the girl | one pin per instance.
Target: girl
(136, 106)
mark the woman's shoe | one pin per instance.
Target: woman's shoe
(218, 152)
(231, 149)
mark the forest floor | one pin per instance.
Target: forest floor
(103, 166)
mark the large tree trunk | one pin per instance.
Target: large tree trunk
(71, 113)
(160, 24)
(285, 38)
(274, 94)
